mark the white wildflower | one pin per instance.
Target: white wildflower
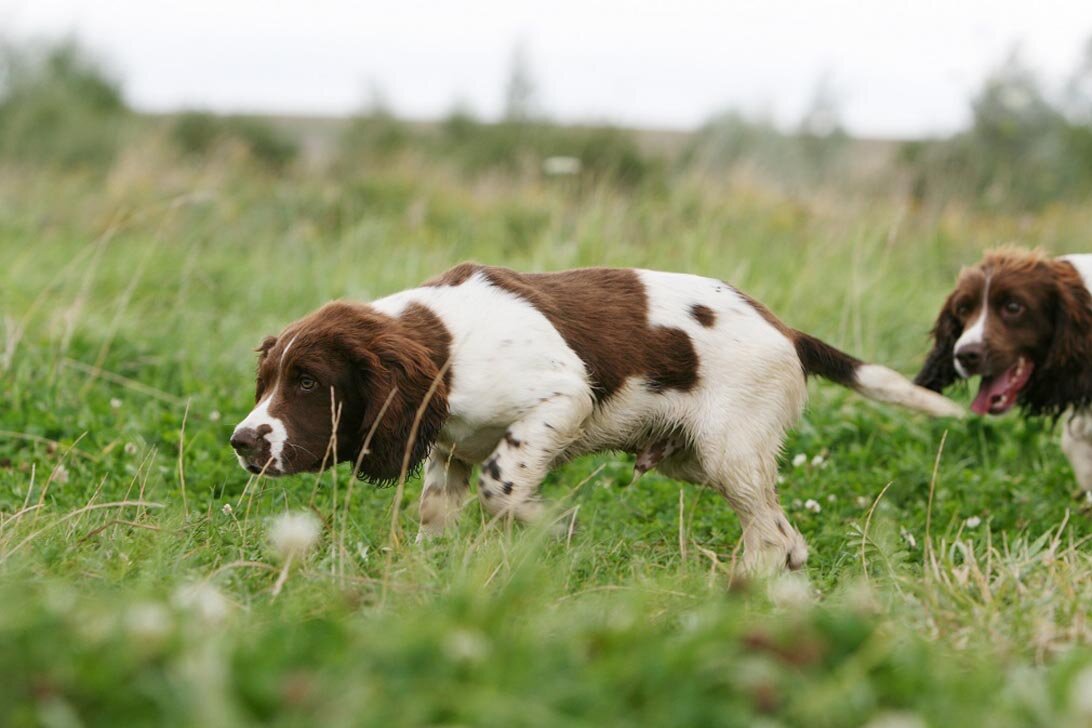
(561, 166)
(797, 503)
(1080, 693)
(293, 535)
(204, 600)
(909, 538)
(148, 622)
(862, 502)
(799, 460)
(130, 448)
(790, 591)
(227, 509)
(115, 403)
(818, 460)
(973, 522)
(464, 645)
(60, 474)
(812, 505)
(832, 498)
(214, 416)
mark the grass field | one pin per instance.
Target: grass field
(136, 573)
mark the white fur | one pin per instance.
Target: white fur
(885, 385)
(976, 332)
(277, 435)
(1083, 263)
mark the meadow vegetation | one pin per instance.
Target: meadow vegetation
(146, 579)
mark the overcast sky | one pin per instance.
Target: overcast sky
(901, 68)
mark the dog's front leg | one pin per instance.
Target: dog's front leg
(511, 475)
(1077, 446)
(447, 481)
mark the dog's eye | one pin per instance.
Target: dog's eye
(307, 383)
(1012, 308)
(963, 310)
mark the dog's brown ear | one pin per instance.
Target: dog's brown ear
(1064, 377)
(267, 343)
(263, 349)
(939, 371)
(399, 403)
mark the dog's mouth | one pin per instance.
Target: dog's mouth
(998, 394)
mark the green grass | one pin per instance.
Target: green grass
(131, 594)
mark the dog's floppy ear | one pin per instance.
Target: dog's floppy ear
(939, 368)
(402, 400)
(263, 350)
(1064, 378)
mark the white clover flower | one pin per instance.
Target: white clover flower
(812, 505)
(1080, 693)
(60, 474)
(204, 600)
(799, 459)
(909, 538)
(464, 645)
(832, 498)
(130, 448)
(861, 502)
(227, 510)
(790, 591)
(115, 403)
(293, 535)
(973, 522)
(214, 416)
(818, 460)
(148, 622)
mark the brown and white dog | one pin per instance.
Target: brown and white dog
(519, 372)
(1022, 321)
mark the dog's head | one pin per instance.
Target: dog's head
(341, 376)
(1023, 323)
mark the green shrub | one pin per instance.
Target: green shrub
(198, 133)
(58, 106)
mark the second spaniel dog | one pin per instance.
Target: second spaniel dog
(519, 372)
(1022, 322)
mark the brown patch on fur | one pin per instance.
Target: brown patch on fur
(703, 315)
(602, 313)
(362, 356)
(1053, 328)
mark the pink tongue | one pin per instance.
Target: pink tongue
(989, 391)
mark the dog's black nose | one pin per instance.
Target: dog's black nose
(970, 357)
(245, 441)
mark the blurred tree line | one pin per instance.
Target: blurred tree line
(1026, 145)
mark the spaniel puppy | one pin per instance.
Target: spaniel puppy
(1023, 323)
(519, 372)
